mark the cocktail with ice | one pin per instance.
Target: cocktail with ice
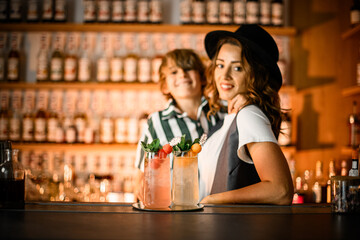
(157, 187)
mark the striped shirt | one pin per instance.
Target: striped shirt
(172, 122)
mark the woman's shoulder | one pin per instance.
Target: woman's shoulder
(251, 113)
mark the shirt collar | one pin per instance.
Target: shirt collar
(173, 111)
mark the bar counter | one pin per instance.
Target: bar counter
(122, 221)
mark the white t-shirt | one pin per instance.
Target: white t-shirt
(252, 125)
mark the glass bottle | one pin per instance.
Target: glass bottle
(144, 62)
(52, 124)
(103, 15)
(57, 61)
(13, 61)
(116, 61)
(4, 123)
(239, 11)
(85, 60)
(225, 12)
(60, 7)
(15, 10)
(143, 10)
(130, 11)
(354, 171)
(103, 61)
(33, 11)
(107, 128)
(355, 13)
(71, 60)
(47, 11)
(160, 49)
(89, 9)
(12, 180)
(3, 10)
(40, 120)
(80, 124)
(185, 11)
(198, 12)
(265, 12)
(2, 56)
(212, 11)
(332, 173)
(117, 11)
(42, 66)
(319, 186)
(354, 127)
(156, 12)
(252, 11)
(277, 13)
(15, 125)
(28, 126)
(131, 59)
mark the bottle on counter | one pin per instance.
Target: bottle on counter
(354, 127)
(85, 62)
(332, 172)
(354, 171)
(277, 13)
(61, 10)
(4, 123)
(52, 124)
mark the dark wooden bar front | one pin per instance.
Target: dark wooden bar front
(122, 221)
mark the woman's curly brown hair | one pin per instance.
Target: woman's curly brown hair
(260, 91)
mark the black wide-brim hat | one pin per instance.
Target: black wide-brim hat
(258, 40)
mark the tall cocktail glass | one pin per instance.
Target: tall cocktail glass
(185, 186)
(157, 187)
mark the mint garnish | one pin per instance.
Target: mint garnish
(184, 145)
(154, 146)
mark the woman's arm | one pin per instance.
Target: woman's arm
(276, 185)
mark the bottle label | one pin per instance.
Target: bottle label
(70, 69)
(104, 11)
(212, 12)
(144, 70)
(56, 69)
(40, 129)
(107, 131)
(60, 10)
(225, 12)
(52, 125)
(103, 70)
(47, 10)
(117, 11)
(277, 14)
(42, 68)
(143, 11)
(84, 70)
(198, 12)
(14, 134)
(155, 11)
(239, 12)
(130, 11)
(89, 11)
(28, 129)
(252, 12)
(32, 12)
(130, 69)
(116, 69)
(354, 17)
(185, 11)
(13, 69)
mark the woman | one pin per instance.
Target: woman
(241, 162)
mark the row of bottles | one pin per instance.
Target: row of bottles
(73, 116)
(79, 176)
(264, 12)
(34, 10)
(127, 11)
(317, 189)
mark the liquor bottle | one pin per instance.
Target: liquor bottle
(28, 126)
(307, 182)
(185, 11)
(252, 11)
(332, 173)
(344, 169)
(57, 61)
(33, 11)
(4, 123)
(198, 12)
(355, 13)
(239, 11)
(225, 12)
(130, 11)
(285, 134)
(160, 49)
(89, 9)
(40, 128)
(144, 62)
(15, 10)
(107, 129)
(60, 7)
(13, 61)
(103, 61)
(2, 56)
(42, 67)
(116, 61)
(143, 11)
(3, 10)
(265, 12)
(85, 60)
(117, 11)
(156, 12)
(47, 11)
(15, 116)
(319, 186)
(80, 124)
(120, 128)
(212, 11)
(131, 59)
(354, 171)
(103, 14)
(277, 13)
(71, 60)
(52, 125)
(354, 127)
(69, 128)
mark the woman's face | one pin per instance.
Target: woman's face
(229, 72)
(181, 84)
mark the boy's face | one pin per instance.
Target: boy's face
(181, 84)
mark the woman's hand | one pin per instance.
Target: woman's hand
(236, 104)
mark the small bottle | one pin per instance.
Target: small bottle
(131, 59)
(344, 169)
(52, 124)
(33, 11)
(130, 11)
(40, 128)
(354, 171)
(4, 123)
(198, 12)
(117, 11)
(239, 12)
(265, 12)
(252, 11)
(144, 61)
(354, 127)
(57, 61)
(15, 10)
(80, 124)
(103, 14)
(116, 61)
(71, 60)
(143, 11)
(156, 12)
(42, 67)
(225, 12)
(319, 186)
(355, 13)
(27, 134)
(4, 11)
(89, 8)
(47, 11)
(85, 60)
(277, 13)
(15, 125)
(185, 11)
(212, 11)
(332, 173)
(13, 60)
(103, 61)
(107, 128)
(60, 7)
